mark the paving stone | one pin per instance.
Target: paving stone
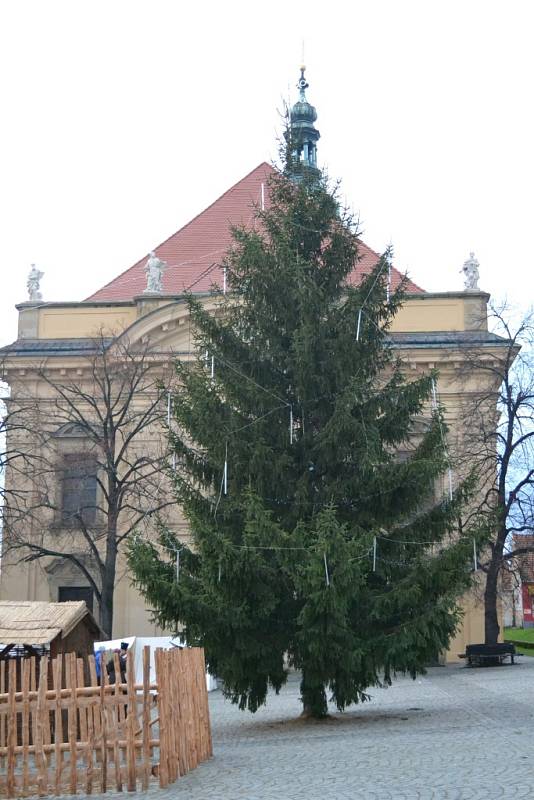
(454, 734)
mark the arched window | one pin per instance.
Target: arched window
(77, 473)
(78, 488)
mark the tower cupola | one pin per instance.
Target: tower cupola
(304, 134)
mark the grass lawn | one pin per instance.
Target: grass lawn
(521, 635)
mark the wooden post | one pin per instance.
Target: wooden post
(91, 661)
(176, 656)
(46, 728)
(80, 681)
(103, 732)
(120, 707)
(208, 752)
(203, 705)
(186, 667)
(146, 717)
(72, 721)
(58, 720)
(11, 729)
(176, 700)
(181, 709)
(162, 710)
(173, 716)
(33, 688)
(3, 717)
(131, 723)
(94, 713)
(117, 714)
(181, 685)
(90, 747)
(200, 672)
(199, 678)
(85, 712)
(42, 720)
(25, 686)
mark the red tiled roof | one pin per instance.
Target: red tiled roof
(193, 254)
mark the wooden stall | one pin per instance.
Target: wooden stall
(33, 628)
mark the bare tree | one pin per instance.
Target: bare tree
(103, 462)
(498, 441)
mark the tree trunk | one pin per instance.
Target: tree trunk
(108, 586)
(491, 619)
(106, 606)
(313, 696)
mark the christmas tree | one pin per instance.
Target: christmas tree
(310, 472)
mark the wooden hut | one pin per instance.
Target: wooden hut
(34, 628)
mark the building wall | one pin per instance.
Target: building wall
(471, 629)
(447, 311)
(512, 608)
(164, 323)
(32, 582)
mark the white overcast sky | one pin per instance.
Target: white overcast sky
(121, 120)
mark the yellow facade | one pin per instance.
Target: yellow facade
(447, 311)
(430, 330)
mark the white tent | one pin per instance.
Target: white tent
(136, 645)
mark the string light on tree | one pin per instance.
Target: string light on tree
(299, 531)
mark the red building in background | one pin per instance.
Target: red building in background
(523, 572)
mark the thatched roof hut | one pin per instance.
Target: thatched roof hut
(36, 628)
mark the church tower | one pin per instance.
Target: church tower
(304, 134)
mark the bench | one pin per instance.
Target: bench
(488, 655)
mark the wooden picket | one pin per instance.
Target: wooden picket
(61, 736)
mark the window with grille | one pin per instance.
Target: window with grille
(78, 490)
(69, 593)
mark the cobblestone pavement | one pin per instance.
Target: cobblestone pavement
(454, 734)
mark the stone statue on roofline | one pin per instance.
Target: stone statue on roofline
(154, 270)
(34, 284)
(471, 274)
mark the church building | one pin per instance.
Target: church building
(145, 304)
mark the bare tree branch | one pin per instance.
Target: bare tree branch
(498, 441)
(109, 420)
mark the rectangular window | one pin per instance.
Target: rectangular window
(78, 491)
(66, 593)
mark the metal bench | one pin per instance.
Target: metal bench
(489, 655)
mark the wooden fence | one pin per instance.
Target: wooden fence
(62, 732)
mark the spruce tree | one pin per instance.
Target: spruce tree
(315, 547)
